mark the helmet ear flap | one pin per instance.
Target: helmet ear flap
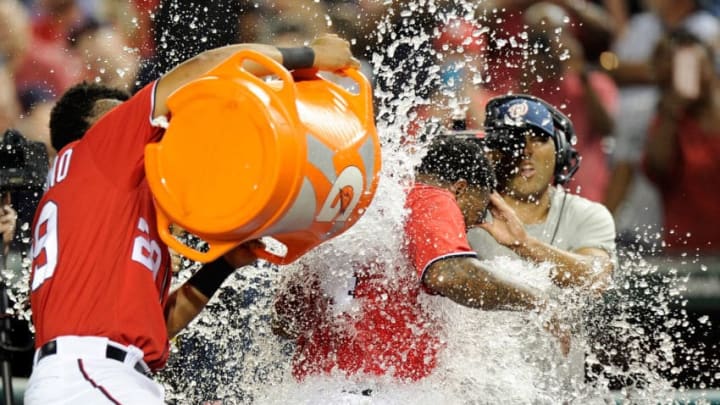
(567, 158)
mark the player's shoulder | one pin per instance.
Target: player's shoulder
(423, 192)
(428, 201)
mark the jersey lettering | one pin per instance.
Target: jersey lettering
(45, 245)
(343, 197)
(145, 250)
(60, 168)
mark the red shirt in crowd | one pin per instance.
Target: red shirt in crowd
(99, 267)
(392, 334)
(689, 192)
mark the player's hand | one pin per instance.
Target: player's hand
(8, 222)
(505, 227)
(333, 53)
(244, 255)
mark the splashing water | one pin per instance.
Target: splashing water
(503, 357)
(230, 352)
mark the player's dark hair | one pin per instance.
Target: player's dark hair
(69, 117)
(452, 158)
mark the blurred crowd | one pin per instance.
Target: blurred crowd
(638, 78)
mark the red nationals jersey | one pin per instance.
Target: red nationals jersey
(392, 334)
(99, 267)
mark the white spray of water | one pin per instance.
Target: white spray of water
(501, 357)
(229, 352)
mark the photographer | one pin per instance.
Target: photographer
(23, 167)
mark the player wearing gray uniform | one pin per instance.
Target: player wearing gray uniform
(561, 242)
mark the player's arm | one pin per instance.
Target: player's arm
(186, 302)
(439, 250)
(590, 267)
(327, 52)
(466, 281)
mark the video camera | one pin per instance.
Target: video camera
(23, 169)
(23, 163)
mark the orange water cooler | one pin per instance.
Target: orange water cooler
(243, 158)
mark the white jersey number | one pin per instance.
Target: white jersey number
(45, 238)
(145, 250)
(45, 245)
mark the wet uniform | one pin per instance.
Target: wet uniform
(100, 274)
(391, 333)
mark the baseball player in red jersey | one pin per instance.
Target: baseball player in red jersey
(100, 274)
(392, 334)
